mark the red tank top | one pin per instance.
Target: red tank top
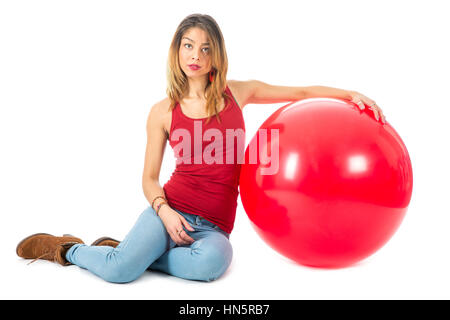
(209, 157)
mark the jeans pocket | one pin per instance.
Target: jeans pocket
(190, 218)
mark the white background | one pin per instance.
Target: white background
(77, 80)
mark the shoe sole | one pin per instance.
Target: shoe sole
(33, 235)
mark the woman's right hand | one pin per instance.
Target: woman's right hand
(174, 222)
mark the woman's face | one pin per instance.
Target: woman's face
(195, 50)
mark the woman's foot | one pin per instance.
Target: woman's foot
(47, 247)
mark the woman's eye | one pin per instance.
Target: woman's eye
(188, 46)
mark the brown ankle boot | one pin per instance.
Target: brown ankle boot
(47, 247)
(106, 241)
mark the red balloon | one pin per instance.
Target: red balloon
(342, 186)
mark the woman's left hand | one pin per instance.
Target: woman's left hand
(361, 100)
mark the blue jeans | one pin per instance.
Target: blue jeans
(149, 246)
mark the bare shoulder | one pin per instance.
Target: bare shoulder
(241, 90)
(163, 116)
(162, 106)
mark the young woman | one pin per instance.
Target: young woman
(185, 231)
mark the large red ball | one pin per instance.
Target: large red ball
(342, 187)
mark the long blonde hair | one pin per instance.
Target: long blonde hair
(177, 84)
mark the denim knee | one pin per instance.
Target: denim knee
(214, 259)
(118, 273)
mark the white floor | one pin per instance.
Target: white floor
(408, 267)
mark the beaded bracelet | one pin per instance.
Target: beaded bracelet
(153, 202)
(159, 207)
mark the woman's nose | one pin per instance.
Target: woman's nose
(196, 55)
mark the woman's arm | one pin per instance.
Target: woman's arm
(356, 97)
(154, 153)
(258, 92)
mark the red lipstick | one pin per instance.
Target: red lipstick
(194, 66)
